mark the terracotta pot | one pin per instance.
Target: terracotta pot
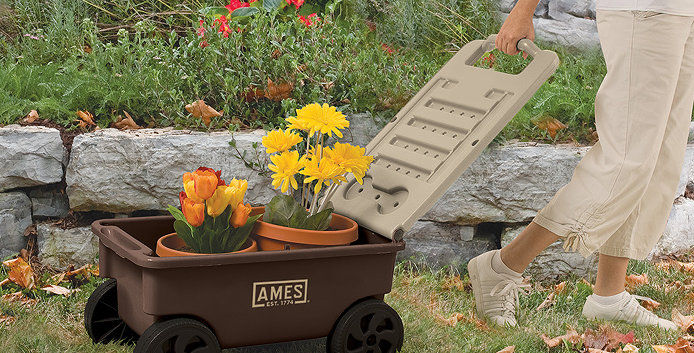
(274, 237)
(169, 245)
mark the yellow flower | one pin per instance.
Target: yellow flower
(219, 200)
(297, 124)
(239, 187)
(280, 141)
(322, 118)
(323, 171)
(285, 166)
(351, 159)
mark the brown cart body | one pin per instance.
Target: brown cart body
(246, 299)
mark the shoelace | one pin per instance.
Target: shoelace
(509, 288)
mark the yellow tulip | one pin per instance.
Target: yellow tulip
(239, 188)
(219, 200)
(189, 187)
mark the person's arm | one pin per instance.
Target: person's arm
(518, 25)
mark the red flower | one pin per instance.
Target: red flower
(204, 44)
(388, 49)
(296, 3)
(201, 30)
(236, 4)
(182, 196)
(223, 26)
(310, 20)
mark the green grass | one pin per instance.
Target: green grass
(55, 323)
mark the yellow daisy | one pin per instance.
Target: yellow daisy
(322, 118)
(351, 159)
(296, 123)
(323, 171)
(285, 166)
(280, 140)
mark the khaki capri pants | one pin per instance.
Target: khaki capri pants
(621, 192)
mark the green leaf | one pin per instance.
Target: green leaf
(281, 209)
(244, 12)
(271, 5)
(319, 221)
(215, 11)
(176, 213)
(185, 232)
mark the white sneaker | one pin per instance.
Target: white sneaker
(496, 294)
(627, 309)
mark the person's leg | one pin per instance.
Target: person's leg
(518, 254)
(643, 55)
(612, 272)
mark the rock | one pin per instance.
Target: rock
(687, 175)
(362, 128)
(63, 247)
(507, 184)
(32, 155)
(15, 217)
(123, 171)
(554, 262)
(572, 32)
(565, 9)
(443, 244)
(540, 11)
(49, 202)
(679, 232)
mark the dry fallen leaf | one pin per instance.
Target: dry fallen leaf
(606, 338)
(560, 288)
(549, 301)
(682, 345)
(630, 348)
(31, 117)
(19, 297)
(20, 272)
(456, 282)
(571, 336)
(509, 349)
(278, 92)
(7, 320)
(85, 118)
(549, 124)
(203, 111)
(650, 304)
(683, 321)
(59, 290)
(633, 281)
(126, 123)
(685, 266)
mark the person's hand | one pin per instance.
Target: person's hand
(518, 25)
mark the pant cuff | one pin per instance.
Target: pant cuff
(565, 232)
(635, 254)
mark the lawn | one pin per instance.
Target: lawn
(425, 299)
(149, 58)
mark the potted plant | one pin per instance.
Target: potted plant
(213, 218)
(302, 215)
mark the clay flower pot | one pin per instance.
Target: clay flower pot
(171, 245)
(273, 237)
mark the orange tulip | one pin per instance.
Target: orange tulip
(189, 187)
(193, 211)
(240, 215)
(205, 183)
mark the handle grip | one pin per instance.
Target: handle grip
(524, 45)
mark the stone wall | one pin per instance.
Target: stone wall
(568, 23)
(136, 172)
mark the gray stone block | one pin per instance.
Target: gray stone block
(15, 217)
(31, 155)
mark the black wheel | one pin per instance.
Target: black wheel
(178, 336)
(101, 316)
(368, 327)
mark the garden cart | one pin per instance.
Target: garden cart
(209, 302)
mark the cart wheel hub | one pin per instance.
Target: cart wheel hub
(371, 340)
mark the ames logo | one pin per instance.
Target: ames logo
(279, 293)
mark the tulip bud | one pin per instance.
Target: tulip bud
(219, 200)
(240, 215)
(193, 211)
(205, 183)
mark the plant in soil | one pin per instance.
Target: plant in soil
(302, 151)
(213, 218)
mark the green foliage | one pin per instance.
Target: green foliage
(215, 235)
(284, 210)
